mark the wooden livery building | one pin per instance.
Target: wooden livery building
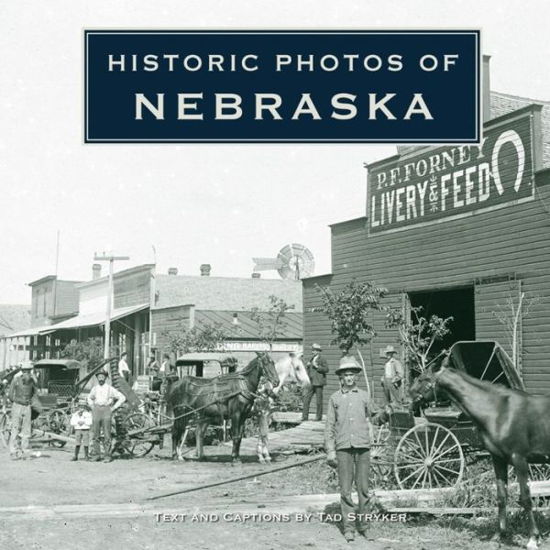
(462, 231)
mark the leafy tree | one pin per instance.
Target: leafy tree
(350, 311)
(271, 322)
(417, 334)
(202, 337)
(88, 351)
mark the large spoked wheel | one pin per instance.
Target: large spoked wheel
(428, 456)
(139, 444)
(381, 456)
(5, 429)
(58, 422)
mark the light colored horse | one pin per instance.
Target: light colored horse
(290, 369)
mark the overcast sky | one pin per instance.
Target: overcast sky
(217, 204)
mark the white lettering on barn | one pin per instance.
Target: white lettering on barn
(453, 181)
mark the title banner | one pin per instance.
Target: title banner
(446, 183)
(282, 86)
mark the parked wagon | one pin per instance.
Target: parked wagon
(432, 450)
(60, 385)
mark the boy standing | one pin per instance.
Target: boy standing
(81, 421)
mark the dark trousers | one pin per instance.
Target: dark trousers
(353, 464)
(318, 391)
(101, 421)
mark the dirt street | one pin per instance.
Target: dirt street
(51, 503)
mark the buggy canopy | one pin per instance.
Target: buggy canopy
(485, 360)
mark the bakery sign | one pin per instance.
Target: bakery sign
(446, 183)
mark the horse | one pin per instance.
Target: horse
(514, 427)
(291, 369)
(226, 397)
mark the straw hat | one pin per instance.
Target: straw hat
(316, 347)
(26, 365)
(347, 364)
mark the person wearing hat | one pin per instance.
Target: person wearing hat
(317, 368)
(347, 444)
(104, 400)
(81, 421)
(21, 393)
(392, 381)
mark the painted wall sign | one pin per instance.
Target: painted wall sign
(282, 86)
(449, 182)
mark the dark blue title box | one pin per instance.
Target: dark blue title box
(282, 86)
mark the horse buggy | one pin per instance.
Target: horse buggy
(61, 386)
(431, 448)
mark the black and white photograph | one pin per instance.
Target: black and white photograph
(275, 275)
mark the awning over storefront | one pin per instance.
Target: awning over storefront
(33, 331)
(92, 319)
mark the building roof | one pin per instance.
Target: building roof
(225, 293)
(502, 104)
(246, 328)
(14, 317)
(93, 319)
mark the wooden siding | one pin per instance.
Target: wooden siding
(132, 289)
(491, 303)
(167, 320)
(511, 242)
(66, 297)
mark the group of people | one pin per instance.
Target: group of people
(347, 431)
(93, 416)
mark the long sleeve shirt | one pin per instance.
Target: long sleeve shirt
(347, 420)
(104, 395)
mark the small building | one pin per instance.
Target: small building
(147, 306)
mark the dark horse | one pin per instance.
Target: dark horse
(226, 397)
(514, 427)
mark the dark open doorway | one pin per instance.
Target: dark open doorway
(457, 303)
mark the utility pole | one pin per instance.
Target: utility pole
(111, 259)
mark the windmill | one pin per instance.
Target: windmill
(294, 261)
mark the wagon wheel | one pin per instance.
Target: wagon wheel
(428, 456)
(380, 457)
(5, 429)
(140, 444)
(58, 423)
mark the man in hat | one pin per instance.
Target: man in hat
(317, 368)
(104, 400)
(21, 392)
(347, 443)
(392, 381)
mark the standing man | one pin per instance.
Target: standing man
(123, 368)
(104, 400)
(392, 381)
(21, 392)
(317, 368)
(347, 443)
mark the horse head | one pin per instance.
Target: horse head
(300, 371)
(423, 389)
(267, 368)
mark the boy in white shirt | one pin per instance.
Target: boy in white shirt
(81, 421)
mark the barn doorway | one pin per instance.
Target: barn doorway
(457, 303)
